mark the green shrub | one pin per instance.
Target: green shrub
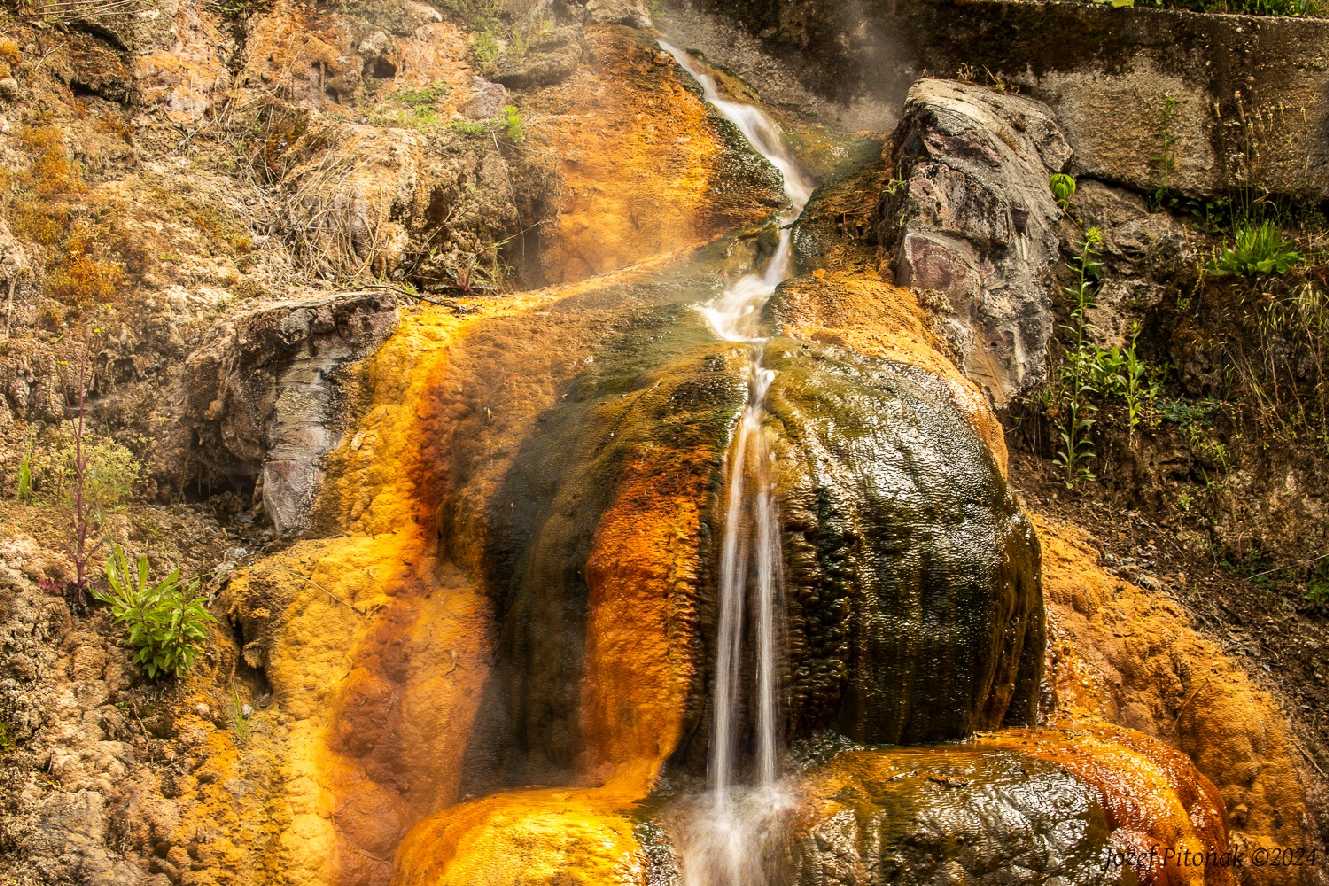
(487, 50)
(1317, 592)
(470, 129)
(1259, 249)
(112, 472)
(165, 622)
(426, 96)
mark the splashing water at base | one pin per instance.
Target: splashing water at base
(732, 831)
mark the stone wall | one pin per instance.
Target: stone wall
(1148, 97)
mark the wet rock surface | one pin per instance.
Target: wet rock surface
(1095, 806)
(971, 216)
(953, 816)
(659, 387)
(915, 610)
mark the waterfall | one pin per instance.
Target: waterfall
(729, 835)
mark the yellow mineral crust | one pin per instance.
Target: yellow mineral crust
(377, 639)
(525, 838)
(639, 159)
(854, 308)
(1124, 654)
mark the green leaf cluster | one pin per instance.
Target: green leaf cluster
(165, 622)
(1063, 188)
(1258, 250)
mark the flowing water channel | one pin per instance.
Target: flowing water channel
(731, 827)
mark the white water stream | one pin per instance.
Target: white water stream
(729, 835)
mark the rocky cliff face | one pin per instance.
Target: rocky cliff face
(969, 215)
(266, 398)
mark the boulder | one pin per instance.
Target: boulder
(263, 398)
(971, 217)
(1086, 806)
(487, 100)
(915, 610)
(550, 59)
(618, 12)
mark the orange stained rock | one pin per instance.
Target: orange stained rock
(525, 838)
(314, 60)
(853, 308)
(637, 670)
(377, 639)
(639, 157)
(1152, 794)
(376, 649)
(643, 564)
(1120, 653)
(288, 50)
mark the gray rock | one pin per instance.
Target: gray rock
(956, 816)
(1118, 306)
(487, 100)
(549, 60)
(9, 89)
(618, 12)
(13, 258)
(974, 219)
(264, 396)
(1142, 251)
(380, 55)
(1137, 240)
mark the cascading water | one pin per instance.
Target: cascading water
(728, 837)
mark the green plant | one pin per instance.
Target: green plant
(23, 484)
(7, 742)
(469, 128)
(1063, 188)
(1079, 370)
(513, 125)
(1317, 591)
(486, 48)
(165, 622)
(1137, 388)
(1258, 249)
(237, 712)
(1076, 450)
(1164, 163)
(426, 96)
